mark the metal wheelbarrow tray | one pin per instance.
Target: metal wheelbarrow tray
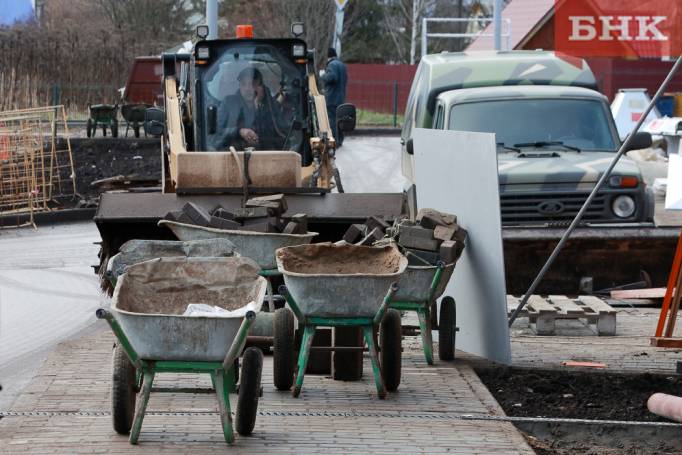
(420, 287)
(259, 246)
(154, 336)
(338, 286)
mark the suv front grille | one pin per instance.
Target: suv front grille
(551, 208)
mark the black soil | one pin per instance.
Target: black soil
(99, 158)
(577, 394)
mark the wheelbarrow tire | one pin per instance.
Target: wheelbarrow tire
(249, 390)
(283, 350)
(114, 128)
(88, 128)
(123, 392)
(390, 343)
(447, 328)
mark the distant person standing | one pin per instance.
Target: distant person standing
(334, 78)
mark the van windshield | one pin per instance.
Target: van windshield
(577, 123)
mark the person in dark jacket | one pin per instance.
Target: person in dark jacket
(335, 79)
(252, 117)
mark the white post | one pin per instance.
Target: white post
(424, 38)
(212, 18)
(336, 44)
(415, 24)
(497, 20)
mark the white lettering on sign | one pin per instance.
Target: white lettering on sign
(585, 28)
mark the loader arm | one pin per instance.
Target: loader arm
(322, 141)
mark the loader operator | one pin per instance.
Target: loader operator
(253, 118)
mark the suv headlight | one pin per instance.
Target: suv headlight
(623, 206)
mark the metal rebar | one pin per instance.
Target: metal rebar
(596, 188)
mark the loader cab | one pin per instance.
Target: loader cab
(239, 83)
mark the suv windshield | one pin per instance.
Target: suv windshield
(258, 94)
(574, 122)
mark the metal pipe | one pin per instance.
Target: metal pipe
(212, 18)
(596, 188)
(497, 20)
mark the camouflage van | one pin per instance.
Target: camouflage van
(555, 133)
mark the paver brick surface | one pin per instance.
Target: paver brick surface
(330, 416)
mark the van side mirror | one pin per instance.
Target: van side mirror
(641, 140)
(345, 117)
(154, 121)
(409, 147)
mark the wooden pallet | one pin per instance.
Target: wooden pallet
(542, 312)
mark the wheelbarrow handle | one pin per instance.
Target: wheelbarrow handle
(239, 340)
(101, 313)
(387, 301)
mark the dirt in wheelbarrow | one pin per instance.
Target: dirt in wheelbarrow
(584, 395)
(326, 259)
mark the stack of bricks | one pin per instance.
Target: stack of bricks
(434, 237)
(261, 214)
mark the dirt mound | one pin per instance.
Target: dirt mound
(340, 259)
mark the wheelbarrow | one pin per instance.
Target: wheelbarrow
(259, 246)
(136, 251)
(103, 115)
(338, 286)
(156, 335)
(133, 114)
(420, 287)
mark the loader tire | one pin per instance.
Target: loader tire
(249, 391)
(390, 343)
(447, 328)
(123, 391)
(283, 349)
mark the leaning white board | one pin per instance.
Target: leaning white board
(456, 172)
(673, 195)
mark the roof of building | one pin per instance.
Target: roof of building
(526, 17)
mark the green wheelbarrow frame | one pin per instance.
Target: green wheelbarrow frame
(310, 325)
(423, 310)
(223, 374)
(104, 115)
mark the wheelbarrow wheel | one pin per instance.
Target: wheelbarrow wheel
(447, 329)
(283, 349)
(104, 130)
(123, 392)
(114, 128)
(390, 343)
(249, 390)
(88, 128)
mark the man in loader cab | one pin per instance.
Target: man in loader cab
(253, 117)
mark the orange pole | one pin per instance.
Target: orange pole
(672, 279)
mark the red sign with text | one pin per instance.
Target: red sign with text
(618, 28)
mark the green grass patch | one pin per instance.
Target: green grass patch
(370, 118)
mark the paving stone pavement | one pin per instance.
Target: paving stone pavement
(76, 377)
(629, 351)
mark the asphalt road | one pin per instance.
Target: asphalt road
(49, 293)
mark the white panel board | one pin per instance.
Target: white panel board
(456, 172)
(673, 196)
